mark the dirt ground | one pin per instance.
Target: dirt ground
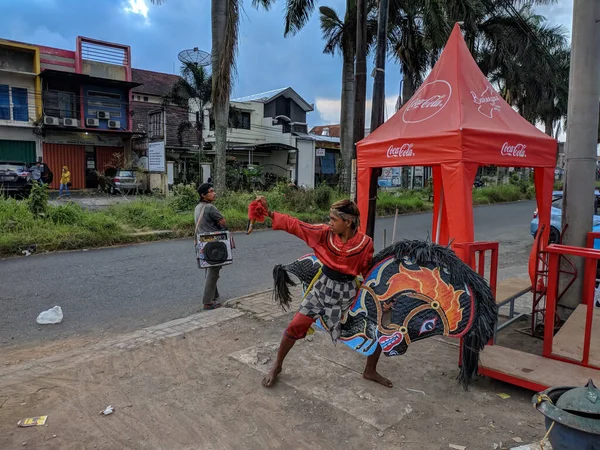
(202, 390)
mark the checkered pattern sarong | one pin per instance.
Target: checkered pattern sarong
(329, 300)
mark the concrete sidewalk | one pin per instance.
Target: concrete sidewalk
(195, 383)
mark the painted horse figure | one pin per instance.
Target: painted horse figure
(414, 290)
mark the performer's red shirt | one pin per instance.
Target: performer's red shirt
(351, 258)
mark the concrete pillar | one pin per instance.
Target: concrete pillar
(582, 135)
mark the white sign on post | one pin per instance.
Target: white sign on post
(320, 152)
(156, 157)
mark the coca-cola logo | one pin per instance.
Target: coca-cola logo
(517, 150)
(403, 151)
(429, 100)
(487, 101)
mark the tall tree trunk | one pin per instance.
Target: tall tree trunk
(360, 76)
(220, 99)
(548, 128)
(347, 104)
(408, 86)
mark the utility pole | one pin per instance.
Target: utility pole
(378, 108)
(582, 137)
(360, 83)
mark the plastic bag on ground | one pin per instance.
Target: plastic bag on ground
(53, 315)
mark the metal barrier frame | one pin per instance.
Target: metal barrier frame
(591, 257)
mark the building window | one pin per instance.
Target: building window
(4, 102)
(299, 129)
(155, 125)
(239, 119)
(20, 104)
(61, 104)
(14, 104)
(145, 99)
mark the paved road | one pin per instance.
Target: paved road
(126, 288)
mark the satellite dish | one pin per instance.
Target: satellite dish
(195, 56)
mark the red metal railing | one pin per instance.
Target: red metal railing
(538, 307)
(475, 256)
(591, 257)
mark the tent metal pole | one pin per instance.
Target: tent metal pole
(439, 218)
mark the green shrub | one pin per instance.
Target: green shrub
(499, 194)
(68, 226)
(68, 214)
(38, 200)
(101, 223)
(406, 201)
(144, 214)
(185, 197)
(14, 215)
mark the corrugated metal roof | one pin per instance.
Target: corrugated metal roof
(261, 97)
(319, 137)
(334, 130)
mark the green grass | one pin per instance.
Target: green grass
(69, 227)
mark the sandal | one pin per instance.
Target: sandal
(213, 305)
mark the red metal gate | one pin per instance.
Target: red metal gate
(72, 156)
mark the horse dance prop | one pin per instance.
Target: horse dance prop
(414, 290)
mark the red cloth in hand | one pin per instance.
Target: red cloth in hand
(257, 210)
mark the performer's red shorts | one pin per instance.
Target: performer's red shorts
(299, 326)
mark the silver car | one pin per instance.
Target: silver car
(126, 181)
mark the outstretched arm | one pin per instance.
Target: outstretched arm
(311, 234)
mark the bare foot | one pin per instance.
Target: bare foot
(270, 378)
(374, 376)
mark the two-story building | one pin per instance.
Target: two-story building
(327, 154)
(20, 102)
(86, 120)
(154, 121)
(270, 130)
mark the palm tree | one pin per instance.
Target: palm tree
(225, 18)
(340, 36)
(533, 74)
(193, 90)
(417, 33)
(420, 29)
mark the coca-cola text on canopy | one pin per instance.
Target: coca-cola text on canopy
(517, 150)
(405, 150)
(429, 100)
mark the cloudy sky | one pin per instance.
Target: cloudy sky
(156, 34)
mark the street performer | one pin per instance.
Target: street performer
(345, 253)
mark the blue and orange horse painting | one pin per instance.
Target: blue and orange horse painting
(414, 290)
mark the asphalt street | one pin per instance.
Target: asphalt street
(122, 289)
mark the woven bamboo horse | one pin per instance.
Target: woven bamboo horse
(414, 290)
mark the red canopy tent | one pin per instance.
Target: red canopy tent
(455, 123)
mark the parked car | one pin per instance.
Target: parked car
(15, 179)
(556, 218)
(125, 181)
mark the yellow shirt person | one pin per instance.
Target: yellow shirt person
(65, 180)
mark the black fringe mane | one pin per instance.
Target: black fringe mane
(486, 310)
(422, 252)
